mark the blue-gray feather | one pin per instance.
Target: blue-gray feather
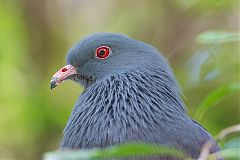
(134, 98)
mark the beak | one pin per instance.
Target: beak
(62, 74)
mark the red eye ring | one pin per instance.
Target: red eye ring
(103, 52)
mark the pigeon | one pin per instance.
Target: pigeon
(130, 95)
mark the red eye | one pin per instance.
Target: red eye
(102, 52)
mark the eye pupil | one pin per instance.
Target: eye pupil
(102, 52)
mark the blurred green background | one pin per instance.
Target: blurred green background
(200, 38)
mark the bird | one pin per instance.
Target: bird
(130, 95)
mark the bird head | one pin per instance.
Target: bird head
(103, 54)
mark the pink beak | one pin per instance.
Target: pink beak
(62, 74)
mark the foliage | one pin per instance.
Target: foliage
(136, 150)
(35, 36)
(121, 151)
(215, 97)
(214, 37)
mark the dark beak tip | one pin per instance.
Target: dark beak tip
(52, 84)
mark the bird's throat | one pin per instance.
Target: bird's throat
(120, 102)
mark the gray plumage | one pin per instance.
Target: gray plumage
(132, 96)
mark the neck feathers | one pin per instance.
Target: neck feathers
(123, 104)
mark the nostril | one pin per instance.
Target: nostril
(64, 69)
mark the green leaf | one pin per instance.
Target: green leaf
(215, 37)
(215, 97)
(120, 151)
(232, 153)
(71, 155)
(232, 143)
